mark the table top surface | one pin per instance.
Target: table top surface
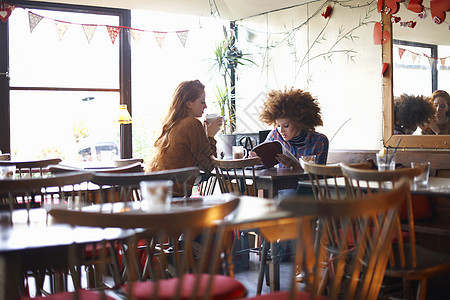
(437, 186)
(41, 233)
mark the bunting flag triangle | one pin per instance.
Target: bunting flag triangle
(62, 28)
(136, 34)
(414, 57)
(182, 35)
(89, 31)
(113, 32)
(34, 20)
(401, 51)
(443, 62)
(160, 36)
(432, 61)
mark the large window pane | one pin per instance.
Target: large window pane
(75, 126)
(41, 59)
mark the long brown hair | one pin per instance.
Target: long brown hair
(187, 91)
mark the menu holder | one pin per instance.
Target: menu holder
(269, 150)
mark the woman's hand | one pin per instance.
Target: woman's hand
(288, 162)
(213, 128)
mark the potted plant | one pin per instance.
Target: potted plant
(226, 59)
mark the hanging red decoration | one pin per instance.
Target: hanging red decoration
(327, 12)
(422, 15)
(395, 19)
(414, 5)
(5, 12)
(384, 68)
(438, 9)
(380, 36)
(390, 6)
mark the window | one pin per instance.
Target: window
(64, 90)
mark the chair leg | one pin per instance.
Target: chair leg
(422, 290)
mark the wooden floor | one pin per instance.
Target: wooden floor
(249, 277)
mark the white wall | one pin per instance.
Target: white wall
(348, 90)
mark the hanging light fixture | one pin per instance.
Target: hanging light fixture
(124, 115)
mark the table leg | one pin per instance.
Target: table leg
(262, 267)
(9, 277)
(274, 268)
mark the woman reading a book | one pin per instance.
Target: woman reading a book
(296, 114)
(184, 140)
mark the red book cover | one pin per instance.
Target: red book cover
(268, 152)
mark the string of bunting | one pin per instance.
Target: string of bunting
(90, 29)
(431, 60)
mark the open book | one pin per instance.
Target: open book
(268, 152)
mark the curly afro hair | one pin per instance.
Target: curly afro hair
(411, 111)
(293, 104)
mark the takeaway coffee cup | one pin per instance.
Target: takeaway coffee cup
(211, 117)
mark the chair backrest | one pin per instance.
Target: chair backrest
(237, 176)
(367, 182)
(5, 156)
(127, 161)
(31, 168)
(123, 187)
(130, 168)
(63, 190)
(324, 180)
(176, 243)
(351, 259)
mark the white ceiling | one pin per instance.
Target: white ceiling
(228, 9)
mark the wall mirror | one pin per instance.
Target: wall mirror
(418, 60)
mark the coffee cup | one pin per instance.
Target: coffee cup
(211, 117)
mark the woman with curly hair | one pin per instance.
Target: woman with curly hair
(411, 111)
(441, 125)
(296, 114)
(184, 140)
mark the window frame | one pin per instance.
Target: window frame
(124, 70)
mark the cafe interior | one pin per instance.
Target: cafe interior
(84, 86)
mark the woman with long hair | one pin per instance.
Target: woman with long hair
(184, 141)
(441, 123)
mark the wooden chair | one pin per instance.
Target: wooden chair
(409, 261)
(355, 218)
(127, 161)
(31, 168)
(39, 191)
(5, 156)
(123, 187)
(232, 177)
(32, 193)
(183, 251)
(131, 168)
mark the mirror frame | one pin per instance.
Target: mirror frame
(389, 139)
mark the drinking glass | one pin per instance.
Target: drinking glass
(385, 162)
(239, 152)
(156, 194)
(422, 178)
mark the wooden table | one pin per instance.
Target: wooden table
(251, 213)
(274, 179)
(437, 186)
(25, 246)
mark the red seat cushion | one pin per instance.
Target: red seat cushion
(224, 287)
(285, 295)
(421, 208)
(82, 295)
